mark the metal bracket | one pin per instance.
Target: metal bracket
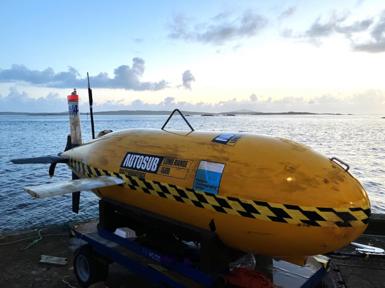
(181, 114)
(339, 162)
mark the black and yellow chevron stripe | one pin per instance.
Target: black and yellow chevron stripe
(267, 211)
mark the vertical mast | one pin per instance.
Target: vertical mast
(76, 138)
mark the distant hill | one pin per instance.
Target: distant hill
(141, 112)
(117, 112)
(165, 112)
(34, 114)
(250, 112)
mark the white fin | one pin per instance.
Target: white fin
(61, 188)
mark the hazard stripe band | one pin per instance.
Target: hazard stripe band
(267, 211)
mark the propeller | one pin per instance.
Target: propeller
(53, 161)
(73, 109)
(75, 195)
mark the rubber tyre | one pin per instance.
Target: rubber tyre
(89, 268)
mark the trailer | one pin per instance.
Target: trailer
(102, 248)
(196, 259)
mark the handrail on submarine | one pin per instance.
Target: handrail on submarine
(181, 114)
(339, 162)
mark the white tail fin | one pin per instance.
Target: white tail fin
(61, 188)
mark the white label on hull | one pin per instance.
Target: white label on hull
(208, 177)
(141, 162)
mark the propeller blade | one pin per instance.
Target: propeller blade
(68, 143)
(40, 160)
(75, 197)
(75, 202)
(51, 170)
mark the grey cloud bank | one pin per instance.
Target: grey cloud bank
(125, 77)
(219, 29)
(187, 79)
(334, 24)
(287, 13)
(373, 27)
(377, 42)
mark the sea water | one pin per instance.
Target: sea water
(357, 140)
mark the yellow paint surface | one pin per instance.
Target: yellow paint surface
(256, 168)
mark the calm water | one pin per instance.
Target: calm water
(358, 140)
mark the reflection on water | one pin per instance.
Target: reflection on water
(358, 140)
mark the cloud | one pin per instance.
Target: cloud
(253, 98)
(219, 29)
(322, 29)
(377, 42)
(355, 27)
(371, 101)
(334, 24)
(187, 79)
(287, 12)
(125, 77)
(365, 102)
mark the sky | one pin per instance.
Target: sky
(214, 56)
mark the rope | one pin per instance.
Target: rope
(16, 241)
(67, 283)
(34, 242)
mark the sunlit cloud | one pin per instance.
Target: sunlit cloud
(369, 101)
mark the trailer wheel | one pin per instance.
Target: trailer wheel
(89, 267)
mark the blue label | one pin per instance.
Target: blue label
(227, 138)
(73, 108)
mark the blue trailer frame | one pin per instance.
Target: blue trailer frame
(164, 268)
(175, 273)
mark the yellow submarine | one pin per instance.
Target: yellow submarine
(266, 195)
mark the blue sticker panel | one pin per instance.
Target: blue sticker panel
(227, 138)
(208, 177)
(223, 138)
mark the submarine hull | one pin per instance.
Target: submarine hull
(265, 195)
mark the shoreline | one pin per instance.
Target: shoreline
(21, 231)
